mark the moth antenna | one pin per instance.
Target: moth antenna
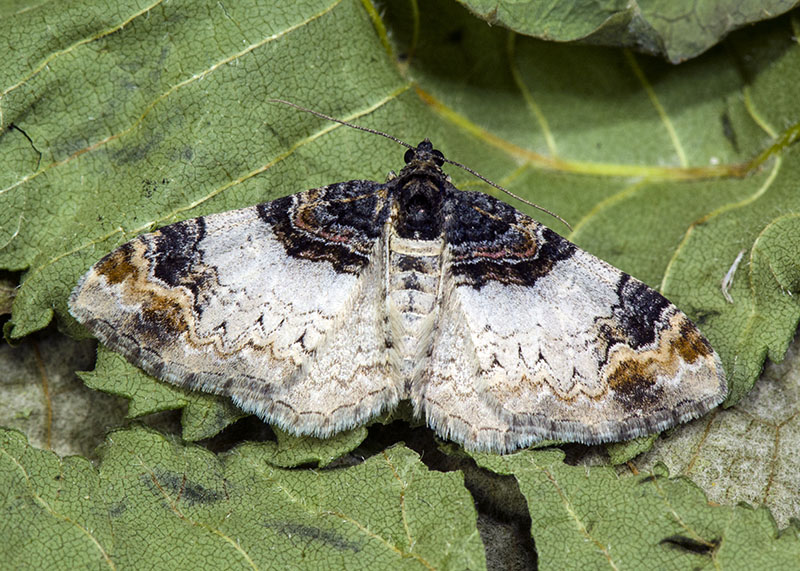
(406, 145)
(508, 192)
(345, 123)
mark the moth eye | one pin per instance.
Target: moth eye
(409, 156)
(438, 157)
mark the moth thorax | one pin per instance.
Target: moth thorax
(412, 300)
(419, 210)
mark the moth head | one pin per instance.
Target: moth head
(424, 152)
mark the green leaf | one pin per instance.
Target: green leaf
(677, 30)
(130, 116)
(153, 503)
(46, 506)
(597, 518)
(204, 415)
(291, 450)
(770, 278)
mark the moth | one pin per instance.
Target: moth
(320, 310)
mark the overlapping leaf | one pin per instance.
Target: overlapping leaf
(135, 115)
(677, 30)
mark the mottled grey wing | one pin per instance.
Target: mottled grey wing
(551, 342)
(278, 306)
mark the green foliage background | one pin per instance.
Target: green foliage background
(117, 118)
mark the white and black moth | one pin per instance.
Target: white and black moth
(322, 309)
